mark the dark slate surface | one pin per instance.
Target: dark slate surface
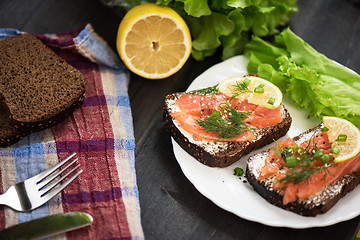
(171, 208)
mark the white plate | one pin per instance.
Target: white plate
(232, 194)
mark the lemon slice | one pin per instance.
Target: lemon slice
(348, 148)
(153, 41)
(256, 90)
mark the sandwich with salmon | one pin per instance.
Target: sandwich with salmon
(310, 173)
(220, 124)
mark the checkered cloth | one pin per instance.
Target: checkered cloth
(100, 132)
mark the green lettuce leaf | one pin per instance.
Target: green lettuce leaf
(209, 38)
(313, 81)
(197, 8)
(239, 3)
(226, 25)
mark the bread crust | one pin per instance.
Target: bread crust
(225, 153)
(320, 203)
(19, 131)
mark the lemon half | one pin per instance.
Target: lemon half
(257, 91)
(349, 148)
(153, 41)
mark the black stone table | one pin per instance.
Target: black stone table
(171, 207)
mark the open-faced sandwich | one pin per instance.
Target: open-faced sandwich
(220, 124)
(309, 173)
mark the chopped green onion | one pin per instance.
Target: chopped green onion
(291, 161)
(215, 114)
(246, 82)
(238, 171)
(325, 158)
(293, 147)
(259, 90)
(299, 151)
(341, 138)
(271, 101)
(325, 129)
(318, 154)
(261, 85)
(302, 157)
(223, 105)
(286, 152)
(335, 150)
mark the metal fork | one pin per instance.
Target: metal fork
(35, 191)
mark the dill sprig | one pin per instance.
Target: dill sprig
(204, 91)
(298, 175)
(225, 123)
(240, 88)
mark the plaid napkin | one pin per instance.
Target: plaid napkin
(100, 132)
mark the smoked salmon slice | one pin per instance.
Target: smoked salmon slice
(188, 123)
(194, 107)
(320, 174)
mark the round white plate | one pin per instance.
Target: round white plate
(236, 196)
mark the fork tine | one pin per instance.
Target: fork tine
(47, 188)
(49, 171)
(44, 182)
(55, 191)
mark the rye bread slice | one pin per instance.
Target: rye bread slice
(37, 88)
(9, 132)
(320, 203)
(220, 154)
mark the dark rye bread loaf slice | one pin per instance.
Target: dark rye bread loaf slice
(220, 154)
(9, 133)
(320, 203)
(38, 88)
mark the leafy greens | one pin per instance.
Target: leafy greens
(313, 81)
(226, 24)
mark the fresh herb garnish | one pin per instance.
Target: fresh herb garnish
(280, 150)
(335, 150)
(238, 171)
(291, 161)
(318, 153)
(296, 175)
(225, 123)
(301, 161)
(240, 88)
(341, 138)
(204, 91)
(325, 129)
(259, 89)
(271, 101)
(325, 159)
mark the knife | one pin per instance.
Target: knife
(47, 226)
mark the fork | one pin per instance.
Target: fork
(37, 190)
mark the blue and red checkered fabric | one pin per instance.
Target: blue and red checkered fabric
(100, 132)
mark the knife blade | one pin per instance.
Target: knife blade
(47, 226)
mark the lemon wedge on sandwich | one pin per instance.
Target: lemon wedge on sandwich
(255, 89)
(344, 135)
